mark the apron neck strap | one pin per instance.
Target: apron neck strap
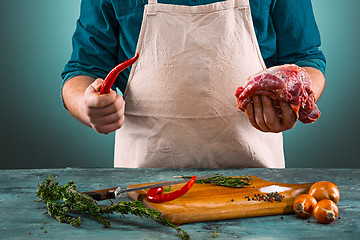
(152, 7)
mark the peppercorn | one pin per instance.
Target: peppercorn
(269, 197)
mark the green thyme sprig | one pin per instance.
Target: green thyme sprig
(66, 200)
(138, 209)
(220, 180)
(214, 234)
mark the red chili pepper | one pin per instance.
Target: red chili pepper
(112, 75)
(155, 194)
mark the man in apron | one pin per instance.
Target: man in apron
(178, 107)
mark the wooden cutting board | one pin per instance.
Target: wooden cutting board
(208, 202)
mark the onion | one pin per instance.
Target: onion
(325, 190)
(326, 211)
(304, 205)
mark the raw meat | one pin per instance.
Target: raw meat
(288, 83)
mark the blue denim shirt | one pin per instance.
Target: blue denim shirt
(107, 32)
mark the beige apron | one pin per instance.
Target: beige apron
(180, 104)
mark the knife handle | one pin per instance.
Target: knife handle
(102, 194)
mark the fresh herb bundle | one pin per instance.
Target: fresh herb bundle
(66, 200)
(220, 180)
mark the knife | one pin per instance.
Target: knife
(115, 193)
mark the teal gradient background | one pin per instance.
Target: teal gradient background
(37, 132)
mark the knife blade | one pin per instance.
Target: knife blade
(115, 193)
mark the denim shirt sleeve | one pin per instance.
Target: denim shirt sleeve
(297, 35)
(95, 41)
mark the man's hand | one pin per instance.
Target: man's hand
(261, 113)
(262, 116)
(105, 112)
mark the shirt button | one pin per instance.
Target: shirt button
(141, 2)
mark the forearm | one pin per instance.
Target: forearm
(318, 81)
(73, 95)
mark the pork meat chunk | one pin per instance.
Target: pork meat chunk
(288, 83)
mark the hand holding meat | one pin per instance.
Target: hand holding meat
(105, 112)
(262, 115)
(285, 87)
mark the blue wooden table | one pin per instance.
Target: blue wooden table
(22, 215)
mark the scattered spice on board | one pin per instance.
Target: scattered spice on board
(269, 197)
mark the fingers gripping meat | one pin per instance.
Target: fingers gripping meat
(288, 83)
